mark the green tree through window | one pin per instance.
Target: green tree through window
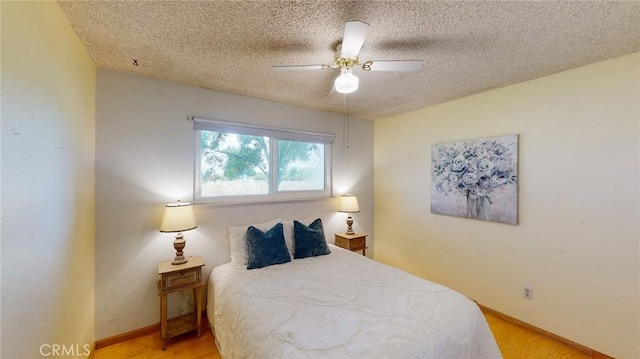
(241, 165)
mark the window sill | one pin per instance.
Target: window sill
(256, 202)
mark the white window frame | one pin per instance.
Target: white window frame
(274, 135)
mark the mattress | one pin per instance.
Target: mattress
(341, 305)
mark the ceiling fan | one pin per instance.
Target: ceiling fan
(346, 59)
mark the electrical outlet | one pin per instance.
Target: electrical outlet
(527, 292)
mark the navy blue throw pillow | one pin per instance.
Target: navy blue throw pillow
(309, 241)
(268, 248)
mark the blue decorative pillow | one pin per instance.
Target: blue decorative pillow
(268, 248)
(309, 241)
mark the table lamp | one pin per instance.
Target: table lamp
(349, 205)
(178, 217)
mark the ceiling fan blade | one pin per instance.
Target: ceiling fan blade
(354, 34)
(300, 67)
(393, 65)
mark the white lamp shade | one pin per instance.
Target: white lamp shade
(349, 204)
(178, 217)
(347, 82)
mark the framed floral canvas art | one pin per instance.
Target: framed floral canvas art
(476, 179)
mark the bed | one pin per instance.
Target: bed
(341, 305)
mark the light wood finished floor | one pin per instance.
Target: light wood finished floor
(149, 346)
(514, 341)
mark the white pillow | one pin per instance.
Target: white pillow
(287, 227)
(238, 240)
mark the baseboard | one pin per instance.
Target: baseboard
(134, 334)
(588, 351)
(92, 351)
(126, 336)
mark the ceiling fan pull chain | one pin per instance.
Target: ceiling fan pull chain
(345, 122)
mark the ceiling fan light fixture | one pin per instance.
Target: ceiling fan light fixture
(347, 82)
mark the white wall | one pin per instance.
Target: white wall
(144, 159)
(48, 203)
(578, 238)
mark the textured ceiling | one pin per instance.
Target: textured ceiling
(466, 47)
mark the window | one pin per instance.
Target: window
(243, 163)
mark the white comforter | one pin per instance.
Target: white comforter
(341, 305)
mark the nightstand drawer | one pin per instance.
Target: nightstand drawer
(353, 242)
(356, 244)
(181, 278)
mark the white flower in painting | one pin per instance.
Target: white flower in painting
(472, 160)
(469, 178)
(458, 164)
(498, 179)
(477, 192)
(481, 152)
(499, 149)
(485, 165)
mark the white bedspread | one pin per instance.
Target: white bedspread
(341, 305)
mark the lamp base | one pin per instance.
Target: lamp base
(179, 260)
(349, 224)
(179, 243)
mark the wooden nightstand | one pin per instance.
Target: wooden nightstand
(353, 242)
(174, 278)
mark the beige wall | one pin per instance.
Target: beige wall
(48, 204)
(577, 242)
(578, 238)
(144, 159)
